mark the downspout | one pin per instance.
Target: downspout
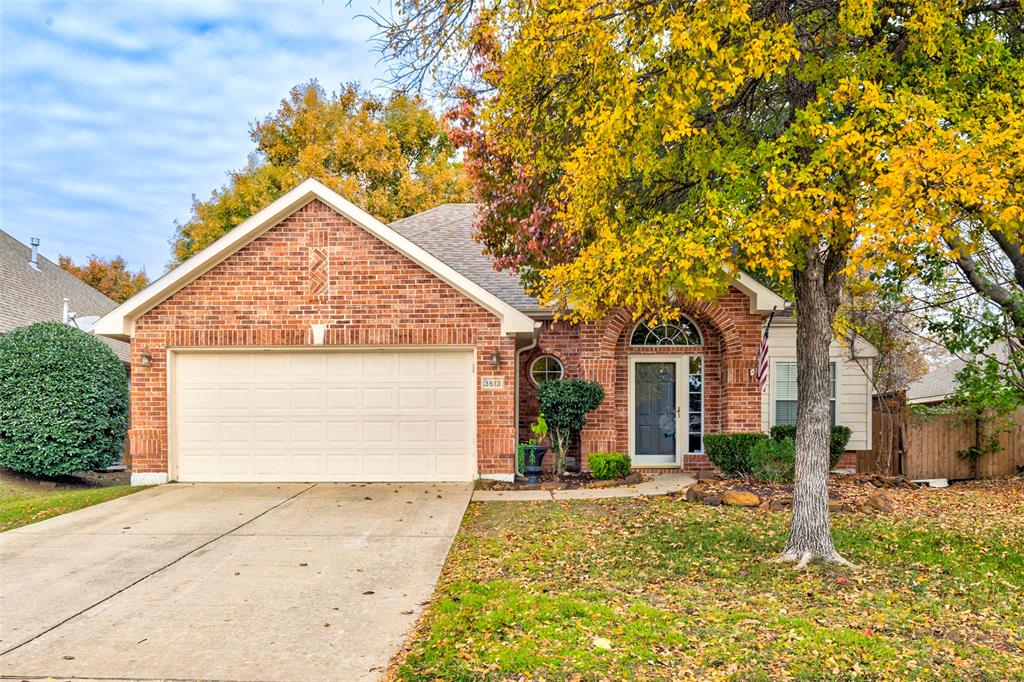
(519, 353)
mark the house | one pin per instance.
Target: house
(35, 289)
(314, 343)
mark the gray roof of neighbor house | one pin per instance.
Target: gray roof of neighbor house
(446, 232)
(940, 383)
(936, 385)
(28, 295)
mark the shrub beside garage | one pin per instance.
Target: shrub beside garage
(63, 401)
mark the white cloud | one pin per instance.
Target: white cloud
(112, 115)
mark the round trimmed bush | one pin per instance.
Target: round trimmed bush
(773, 461)
(63, 401)
(608, 465)
(730, 452)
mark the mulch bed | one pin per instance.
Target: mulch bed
(858, 492)
(570, 480)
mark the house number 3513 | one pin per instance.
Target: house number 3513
(492, 383)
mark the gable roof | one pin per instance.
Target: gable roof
(446, 231)
(28, 295)
(120, 323)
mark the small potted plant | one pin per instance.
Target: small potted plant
(533, 451)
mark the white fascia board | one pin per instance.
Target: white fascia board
(120, 322)
(762, 299)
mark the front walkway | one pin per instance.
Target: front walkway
(225, 582)
(659, 484)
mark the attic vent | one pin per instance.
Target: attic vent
(33, 261)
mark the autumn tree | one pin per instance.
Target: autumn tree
(390, 157)
(112, 278)
(638, 153)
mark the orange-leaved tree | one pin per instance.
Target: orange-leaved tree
(112, 278)
(391, 157)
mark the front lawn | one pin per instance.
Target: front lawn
(24, 500)
(663, 589)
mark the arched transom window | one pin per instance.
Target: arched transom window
(682, 332)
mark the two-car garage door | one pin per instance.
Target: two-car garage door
(373, 415)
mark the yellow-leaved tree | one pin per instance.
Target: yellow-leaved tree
(638, 153)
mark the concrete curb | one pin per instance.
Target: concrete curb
(660, 484)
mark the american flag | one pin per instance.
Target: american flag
(762, 356)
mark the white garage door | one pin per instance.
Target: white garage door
(324, 416)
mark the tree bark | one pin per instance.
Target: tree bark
(818, 284)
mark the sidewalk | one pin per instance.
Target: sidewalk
(660, 484)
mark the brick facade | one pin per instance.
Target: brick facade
(316, 267)
(601, 351)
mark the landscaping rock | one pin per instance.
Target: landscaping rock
(740, 498)
(696, 492)
(834, 506)
(485, 483)
(634, 478)
(551, 485)
(611, 483)
(880, 501)
(708, 475)
(713, 501)
(777, 505)
(764, 506)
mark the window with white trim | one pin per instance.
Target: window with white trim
(682, 332)
(545, 368)
(785, 392)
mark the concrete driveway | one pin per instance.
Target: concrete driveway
(225, 582)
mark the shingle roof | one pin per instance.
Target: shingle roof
(446, 232)
(28, 296)
(937, 384)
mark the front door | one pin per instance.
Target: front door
(666, 415)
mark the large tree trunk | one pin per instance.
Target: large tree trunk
(818, 284)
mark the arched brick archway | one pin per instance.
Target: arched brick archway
(733, 401)
(720, 321)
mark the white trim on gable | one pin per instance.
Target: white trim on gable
(120, 322)
(762, 299)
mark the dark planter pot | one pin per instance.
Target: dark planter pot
(534, 458)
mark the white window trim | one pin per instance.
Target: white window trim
(682, 363)
(561, 367)
(772, 386)
(696, 326)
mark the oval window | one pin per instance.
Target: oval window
(545, 368)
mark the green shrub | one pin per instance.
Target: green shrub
(565, 404)
(605, 465)
(63, 401)
(837, 442)
(730, 452)
(773, 460)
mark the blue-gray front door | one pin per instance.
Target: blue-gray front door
(656, 415)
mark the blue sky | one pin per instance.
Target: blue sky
(112, 115)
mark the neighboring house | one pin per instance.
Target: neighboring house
(940, 383)
(35, 289)
(314, 343)
(935, 386)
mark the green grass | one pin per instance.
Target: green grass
(685, 591)
(22, 504)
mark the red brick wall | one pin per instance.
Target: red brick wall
(317, 267)
(601, 351)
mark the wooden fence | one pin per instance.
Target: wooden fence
(919, 446)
